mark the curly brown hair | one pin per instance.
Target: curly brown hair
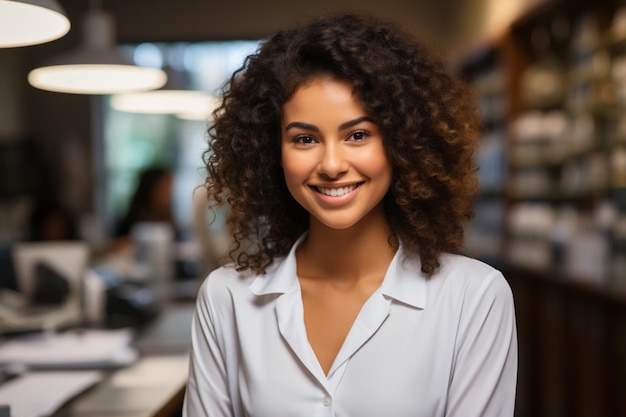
(429, 121)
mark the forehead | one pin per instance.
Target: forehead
(323, 95)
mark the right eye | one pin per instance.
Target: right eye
(304, 139)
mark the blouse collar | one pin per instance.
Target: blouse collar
(403, 282)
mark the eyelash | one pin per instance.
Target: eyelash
(364, 134)
(301, 138)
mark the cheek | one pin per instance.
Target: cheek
(375, 162)
(292, 171)
(294, 179)
(295, 165)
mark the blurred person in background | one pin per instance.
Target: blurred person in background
(50, 220)
(151, 202)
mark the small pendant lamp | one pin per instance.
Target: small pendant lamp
(174, 98)
(96, 67)
(31, 22)
(186, 104)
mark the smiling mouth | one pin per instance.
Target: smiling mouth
(337, 191)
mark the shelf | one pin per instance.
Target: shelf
(560, 196)
(567, 183)
(605, 292)
(569, 75)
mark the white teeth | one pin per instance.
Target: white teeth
(336, 192)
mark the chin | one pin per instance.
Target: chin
(335, 224)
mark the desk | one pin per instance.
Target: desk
(152, 387)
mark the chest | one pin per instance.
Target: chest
(328, 318)
(392, 362)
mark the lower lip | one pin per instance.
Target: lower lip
(337, 200)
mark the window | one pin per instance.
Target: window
(136, 141)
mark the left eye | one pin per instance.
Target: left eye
(359, 135)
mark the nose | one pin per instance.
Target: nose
(333, 162)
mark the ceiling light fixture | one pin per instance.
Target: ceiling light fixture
(30, 22)
(96, 67)
(186, 104)
(174, 98)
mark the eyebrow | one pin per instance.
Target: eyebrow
(345, 125)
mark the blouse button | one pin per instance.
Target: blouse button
(326, 401)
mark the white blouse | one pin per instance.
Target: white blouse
(420, 347)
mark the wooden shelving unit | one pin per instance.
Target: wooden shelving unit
(560, 221)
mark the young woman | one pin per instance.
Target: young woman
(344, 151)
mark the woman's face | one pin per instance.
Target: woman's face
(333, 156)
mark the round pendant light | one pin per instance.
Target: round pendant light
(174, 98)
(96, 67)
(186, 104)
(31, 22)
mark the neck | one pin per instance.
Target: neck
(348, 254)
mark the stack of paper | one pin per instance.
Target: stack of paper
(38, 394)
(142, 389)
(71, 349)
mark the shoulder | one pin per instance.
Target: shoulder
(474, 296)
(228, 295)
(469, 266)
(228, 275)
(470, 278)
(220, 285)
(227, 284)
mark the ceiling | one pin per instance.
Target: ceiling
(450, 25)
(190, 20)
